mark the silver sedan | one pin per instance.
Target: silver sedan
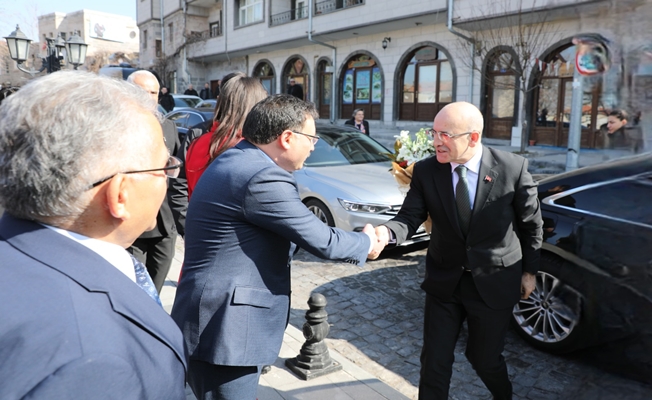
(346, 181)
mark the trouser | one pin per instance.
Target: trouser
(487, 329)
(222, 382)
(157, 255)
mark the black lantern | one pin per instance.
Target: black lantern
(18, 45)
(76, 49)
(385, 41)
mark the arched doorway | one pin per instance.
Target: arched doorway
(324, 87)
(265, 72)
(501, 84)
(295, 77)
(362, 87)
(427, 84)
(552, 101)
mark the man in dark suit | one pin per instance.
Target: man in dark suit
(484, 247)
(155, 248)
(244, 223)
(83, 170)
(191, 91)
(295, 90)
(206, 93)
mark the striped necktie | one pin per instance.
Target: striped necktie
(144, 281)
(463, 200)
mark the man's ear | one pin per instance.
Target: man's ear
(285, 139)
(475, 137)
(117, 197)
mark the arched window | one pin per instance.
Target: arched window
(265, 73)
(362, 87)
(553, 101)
(295, 78)
(427, 84)
(324, 87)
(501, 88)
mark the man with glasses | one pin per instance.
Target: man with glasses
(484, 248)
(83, 172)
(244, 224)
(155, 248)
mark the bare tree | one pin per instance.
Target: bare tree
(510, 37)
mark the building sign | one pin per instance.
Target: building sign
(376, 86)
(347, 89)
(591, 55)
(102, 29)
(362, 86)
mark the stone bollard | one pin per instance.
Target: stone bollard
(314, 360)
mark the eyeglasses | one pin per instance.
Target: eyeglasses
(171, 169)
(446, 135)
(314, 139)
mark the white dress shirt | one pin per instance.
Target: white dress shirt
(473, 170)
(112, 253)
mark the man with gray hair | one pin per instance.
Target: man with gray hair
(83, 171)
(155, 248)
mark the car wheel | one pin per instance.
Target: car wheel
(321, 211)
(550, 319)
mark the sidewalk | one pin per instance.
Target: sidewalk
(350, 383)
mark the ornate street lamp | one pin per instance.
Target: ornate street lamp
(19, 44)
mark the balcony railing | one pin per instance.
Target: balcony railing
(322, 7)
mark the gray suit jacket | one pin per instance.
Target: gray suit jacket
(243, 222)
(504, 237)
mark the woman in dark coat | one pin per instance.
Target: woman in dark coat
(358, 121)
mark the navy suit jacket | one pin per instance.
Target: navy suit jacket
(243, 221)
(505, 233)
(75, 327)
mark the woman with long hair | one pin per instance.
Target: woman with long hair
(238, 95)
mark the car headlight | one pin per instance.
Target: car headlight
(364, 207)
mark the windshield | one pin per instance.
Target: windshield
(186, 101)
(345, 148)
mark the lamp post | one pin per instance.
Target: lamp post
(19, 44)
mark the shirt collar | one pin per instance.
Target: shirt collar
(473, 164)
(112, 253)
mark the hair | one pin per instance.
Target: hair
(620, 114)
(63, 131)
(237, 97)
(275, 114)
(356, 111)
(141, 72)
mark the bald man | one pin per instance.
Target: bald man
(484, 248)
(155, 248)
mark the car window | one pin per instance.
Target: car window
(188, 101)
(179, 118)
(180, 102)
(345, 148)
(627, 200)
(194, 119)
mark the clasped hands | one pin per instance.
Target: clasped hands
(379, 237)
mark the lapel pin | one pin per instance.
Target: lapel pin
(487, 178)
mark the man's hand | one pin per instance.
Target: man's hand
(528, 282)
(377, 245)
(383, 234)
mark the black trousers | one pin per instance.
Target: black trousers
(222, 382)
(487, 330)
(157, 255)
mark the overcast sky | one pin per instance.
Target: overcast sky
(25, 12)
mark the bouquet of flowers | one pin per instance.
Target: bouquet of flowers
(407, 151)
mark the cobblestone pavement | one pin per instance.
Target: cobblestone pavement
(376, 314)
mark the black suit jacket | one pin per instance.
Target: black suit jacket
(364, 123)
(166, 218)
(505, 234)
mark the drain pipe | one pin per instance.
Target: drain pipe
(333, 80)
(468, 39)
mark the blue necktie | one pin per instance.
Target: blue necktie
(144, 281)
(463, 200)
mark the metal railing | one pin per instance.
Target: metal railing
(328, 6)
(289, 16)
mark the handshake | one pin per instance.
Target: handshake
(379, 238)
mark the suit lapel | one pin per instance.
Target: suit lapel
(95, 274)
(444, 184)
(486, 179)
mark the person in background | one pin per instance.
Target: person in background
(83, 171)
(165, 99)
(358, 121)
(245, 221)
(239, 94)
(191, 91)
(484, 249)
(155, 248)
(206, 93)
(295, 89)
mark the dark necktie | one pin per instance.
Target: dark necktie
(463, 200)
(144, 281)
